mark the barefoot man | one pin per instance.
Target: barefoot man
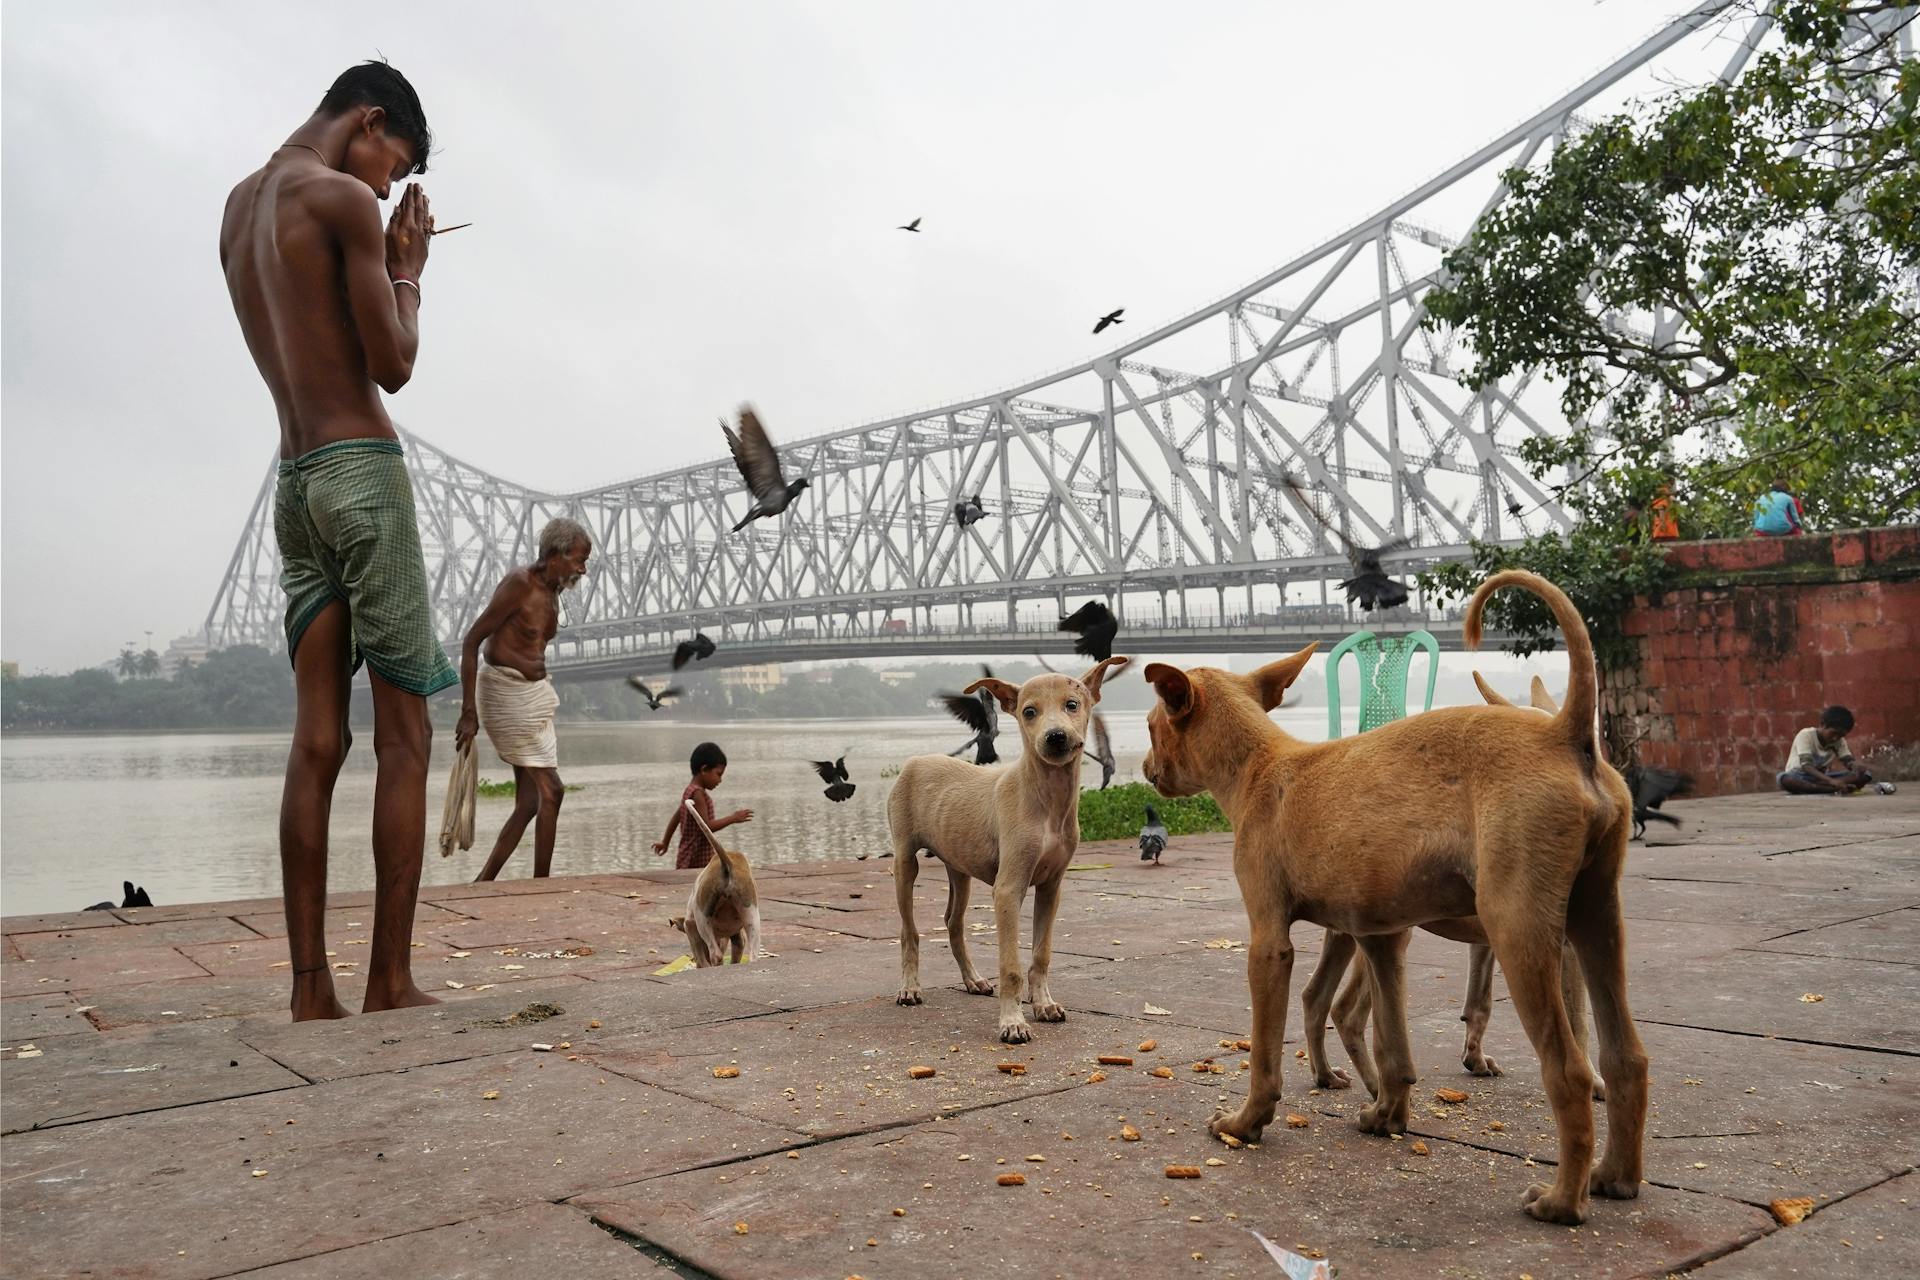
(328, 303)
(516, 699)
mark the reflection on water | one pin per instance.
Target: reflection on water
(193, 816)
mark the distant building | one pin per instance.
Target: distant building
(755, 679)
(894, 679)
(9, 671)
(191, 647)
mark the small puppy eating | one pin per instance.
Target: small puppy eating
(1013, 826)
(723, 908)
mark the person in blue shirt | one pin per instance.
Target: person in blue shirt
(1776, 513)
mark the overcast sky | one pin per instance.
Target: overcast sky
(677, 206)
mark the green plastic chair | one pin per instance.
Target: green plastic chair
(1385, 664)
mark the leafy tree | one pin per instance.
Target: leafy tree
(148, 665)
(128, 663)
(1725, 276)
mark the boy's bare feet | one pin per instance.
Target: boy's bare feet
(404, 996)
(313, 997)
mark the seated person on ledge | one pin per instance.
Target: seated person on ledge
(1819, 762)
(1777, 514)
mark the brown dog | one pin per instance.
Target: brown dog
(1012, 826)
(1407, 824)
(723, 908)
(1355, 1001)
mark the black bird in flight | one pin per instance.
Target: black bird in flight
(969, 511)
(689, 650)
(1153, 838)
(980, 712)
(1112, 317)
(1514, 508)
(834, 774)
(1096, 626)
(759, 465)
(1369, 587)
(656, 701)
(911, 226)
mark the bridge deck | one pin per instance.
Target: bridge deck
(167, 1122)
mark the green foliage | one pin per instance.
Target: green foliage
(1759, 240)
(1119, 812)
(244, 687)
(487, 788)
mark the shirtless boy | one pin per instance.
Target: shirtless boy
(516, 700)
(328, 304)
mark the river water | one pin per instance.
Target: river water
(193, 817)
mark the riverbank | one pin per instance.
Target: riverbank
(167, 1121)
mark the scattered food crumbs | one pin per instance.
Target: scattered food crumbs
(1129, 1134)
(1012, 1179)
(920, 1073)
(1215, 1162)
(1183, 1171)
(456, 986)
(1495, 1126)
(899, 1213)
(593, 1024)
(1232, 1142)
(1148, 1046)
(793, 1155)
(1013, 1068)
(725, 1073)
(1098, 1076)
(1297, 1121)
(489, 1095)
(1165, 1073)
(259, 1173)
(872, 1243)
(1156, 1011)
(1811, 998)
(1114, 1060)
(1699, 1164)
(1419, 1148)
(1790, 1211)
(1449, 1095)
(1036, 1159)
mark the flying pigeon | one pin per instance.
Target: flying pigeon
(1515, 509)
(655, 701)
(979, 711)
(689, 650)
(834, 774)
(1651, 788)
(911, 226)
(1369, 587)
(759, 465)
(1112, 317)
(969, 511)
(1153, 838)
(1096, 626)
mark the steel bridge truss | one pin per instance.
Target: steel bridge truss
(1156, 470)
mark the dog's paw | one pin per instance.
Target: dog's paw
(1479, 1064)
(1612, 1184)
(1599, 1089)
(1383, 1118)
(1048, 1011)
(1241, 1124)
(1540, 1203)
(1333, 1078)
(1015, 1032)
(979, 986)
(908, 995)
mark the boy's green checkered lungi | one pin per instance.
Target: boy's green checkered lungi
(343, 516)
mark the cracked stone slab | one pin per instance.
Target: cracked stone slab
(273, 924)
(1874, 1233)
(1783, 909)
(96, 968)
(1865, 1004)
(68, 944)
(844, 1069)
(469, 1028)
(542, 1239)
(32, 1017)
(1102, 1206)
(193, 1001)
(91, 1077)
(172, 1194)
(1893, 937)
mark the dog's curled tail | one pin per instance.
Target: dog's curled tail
(1582, 706)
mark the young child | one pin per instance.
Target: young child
(1777, 514)
(709, 765)
(1819, 762)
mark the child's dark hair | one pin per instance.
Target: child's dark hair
(707, 755)
(375, 84)
(1837, 718)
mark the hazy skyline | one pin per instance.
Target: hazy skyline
(677, 207)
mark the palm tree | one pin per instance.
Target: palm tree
(128, 663)
(149, 664)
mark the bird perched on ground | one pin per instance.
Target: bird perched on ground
(655, 701)
(131, 897)
(969, 511)
(698, 648)
(834, 774)
(980, 713)
(1153, 838)
(1369, 587)
(1112, 317)
(1651, 788)
(759, 465)
(911, 226)
(1096, 626)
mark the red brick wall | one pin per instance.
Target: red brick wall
(1762, 633)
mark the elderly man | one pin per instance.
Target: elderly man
(516, 700)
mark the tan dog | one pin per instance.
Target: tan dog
(1355, 1001)
(1407, 824)
(1012, 826)
(723, 907)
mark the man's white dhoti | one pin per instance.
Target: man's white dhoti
(517, 714)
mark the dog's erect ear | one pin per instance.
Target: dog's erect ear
(1003, 693)
(1099, 672)
(1270, 682)
(1541, 699)
(1177, 693)
(1493, 697)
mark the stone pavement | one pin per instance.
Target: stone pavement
(163, 1119)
